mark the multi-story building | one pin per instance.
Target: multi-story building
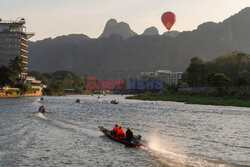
(13, 42)
(171, 78)
(36, 84)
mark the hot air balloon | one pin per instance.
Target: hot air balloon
(168, 19)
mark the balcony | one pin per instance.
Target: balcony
(23, 38)
(25, 62)
(23, 44)
(23, 50)
(24, 56)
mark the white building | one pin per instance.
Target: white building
(36, 84)
(171, 78)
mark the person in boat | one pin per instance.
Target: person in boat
(121, 134)
(78, 100)
(115, 130)
(129, 135)
(42, 109)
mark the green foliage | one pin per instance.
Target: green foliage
(6, 77)
(195, 99)
(16, 66)
(195, 72)
(9, 91)
(48, 91)
(25, 88)
(18, 92)
(235, 66)
(58, 81)
(242, 81)
(172, 88)
(219, 80)
(10, 75)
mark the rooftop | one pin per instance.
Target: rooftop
(19, 20)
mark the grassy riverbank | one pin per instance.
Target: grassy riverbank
(193, 99)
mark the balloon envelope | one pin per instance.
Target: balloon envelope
(168, 19)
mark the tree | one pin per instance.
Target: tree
(57, 87)
(194, 75)
(6, 78)
(25, 88)
(58, 81)
(241, 81)
(48, 91)
(231, 65)
(17, 66)
(221, 82)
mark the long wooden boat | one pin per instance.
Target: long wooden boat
(135, 142)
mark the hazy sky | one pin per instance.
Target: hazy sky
(51, 18)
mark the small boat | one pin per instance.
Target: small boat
(78, 100)
(135, 143)
(42, 99)
(114, 102)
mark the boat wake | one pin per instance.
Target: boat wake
(163, 152)
(40, 115)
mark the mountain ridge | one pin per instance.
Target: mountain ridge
(120, 56)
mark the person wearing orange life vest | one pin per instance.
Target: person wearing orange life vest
(121, 134)
(115, 130)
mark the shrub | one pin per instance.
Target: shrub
(9, 91)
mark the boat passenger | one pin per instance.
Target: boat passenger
(42, 109)
(129, 135)
(115, 130)
(120, 134)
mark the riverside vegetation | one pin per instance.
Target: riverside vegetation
(58, 81)
(10, 76)
(229, 75)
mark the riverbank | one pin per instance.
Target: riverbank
(192, 99)
(16, 93)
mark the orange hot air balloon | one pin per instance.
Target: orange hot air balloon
(168, 19)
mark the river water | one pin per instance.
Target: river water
(173, 134)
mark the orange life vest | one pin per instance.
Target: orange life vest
(121, 134)
(116, 129)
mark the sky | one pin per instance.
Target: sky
(52, 18)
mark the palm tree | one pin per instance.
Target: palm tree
(17, 66)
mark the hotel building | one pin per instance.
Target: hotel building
(14, 42)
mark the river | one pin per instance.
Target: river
(173, 134)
